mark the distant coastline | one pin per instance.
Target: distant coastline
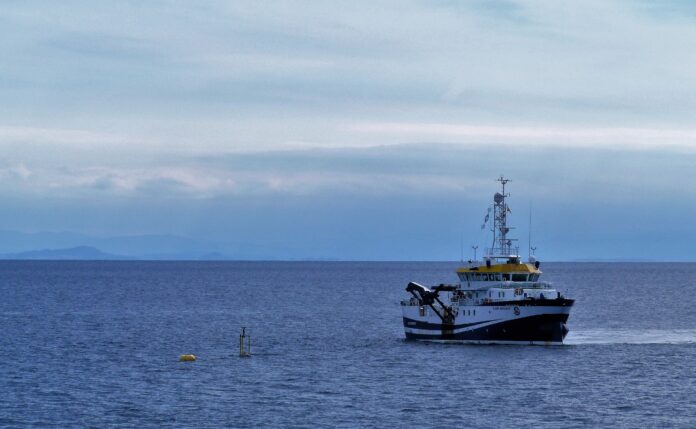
(83, 253)
(66, 245)
(89, 253)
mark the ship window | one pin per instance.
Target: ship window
(498, 277)
(506, 276)
(519, 277)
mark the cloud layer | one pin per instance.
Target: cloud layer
(196, 118)
(245, 76)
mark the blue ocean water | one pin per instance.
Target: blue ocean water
(97, 344)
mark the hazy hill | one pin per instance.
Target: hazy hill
(71, 245)
(72, 253)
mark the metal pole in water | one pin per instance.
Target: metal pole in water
(242, 336)
(241, 343)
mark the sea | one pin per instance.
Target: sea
(97, 344)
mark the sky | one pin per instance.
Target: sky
(353, 130)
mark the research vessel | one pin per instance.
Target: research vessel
(498, 300)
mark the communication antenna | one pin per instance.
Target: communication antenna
(529, 249)
(474, 247)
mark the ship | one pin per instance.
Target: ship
(498, 300)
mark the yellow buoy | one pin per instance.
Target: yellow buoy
(187, 358)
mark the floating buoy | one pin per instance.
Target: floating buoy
(187, 358)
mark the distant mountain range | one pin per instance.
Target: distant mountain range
(76, 246)
(72, 253)
(88, 253)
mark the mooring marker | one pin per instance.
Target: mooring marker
(242, 337)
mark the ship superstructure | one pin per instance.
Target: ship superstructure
(499, 300)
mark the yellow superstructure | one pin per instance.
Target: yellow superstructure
(501, 268)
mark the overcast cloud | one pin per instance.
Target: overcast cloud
(229, 119)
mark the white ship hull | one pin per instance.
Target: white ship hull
(512, 322)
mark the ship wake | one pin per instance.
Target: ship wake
(631, 336)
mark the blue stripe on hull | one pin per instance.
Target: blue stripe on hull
(417, 324)
(541, 328)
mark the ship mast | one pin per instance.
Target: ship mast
(500, 228)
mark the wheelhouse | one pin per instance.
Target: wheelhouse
(499, 273)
